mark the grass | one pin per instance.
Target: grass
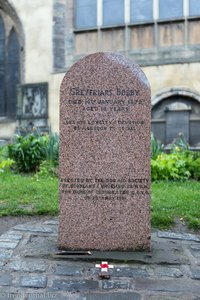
(171, 200)
(26, 195)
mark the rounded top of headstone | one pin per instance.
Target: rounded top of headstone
(111, 67)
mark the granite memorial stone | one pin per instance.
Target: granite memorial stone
(105, 117)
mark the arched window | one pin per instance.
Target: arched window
(9, 71)
(177, 111)
(2, 68)
(12, 74)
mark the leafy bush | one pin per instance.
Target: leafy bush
(6, 164)
(170, 167)
(28, 152)
(180, 164)
(195, 155)
(31, 150)
(52, 150)
(156, 147)
(3, 153)
(194, 168)
(46, 170)
(179, 144)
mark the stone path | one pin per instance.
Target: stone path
(31, 268)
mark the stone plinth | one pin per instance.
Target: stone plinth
(105, 114)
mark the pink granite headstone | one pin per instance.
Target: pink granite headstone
(105, 107)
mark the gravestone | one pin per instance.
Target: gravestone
(32, 104)
(104, 171)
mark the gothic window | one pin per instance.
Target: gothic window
(9, 71)
(2, 68)
(12, 76)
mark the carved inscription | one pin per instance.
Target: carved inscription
(103, 125)
(104, 101)
(105, 188)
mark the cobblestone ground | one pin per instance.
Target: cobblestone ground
(31, 268)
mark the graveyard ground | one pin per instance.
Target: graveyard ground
(173, 203)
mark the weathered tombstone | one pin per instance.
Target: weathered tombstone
(105, 155)
(32, 104)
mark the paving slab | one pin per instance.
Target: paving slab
(113, 296)
(165, 297)
(33, 228)
(195, 273)
(74, 285)
(168, 272)
(5, 254)
(5, 279)
(40, 245)
(178, 236)
(27, 266)
(8, 244)
(33, 281)
(117, 284)
(175, 285)
(69, 270)
(11, 236)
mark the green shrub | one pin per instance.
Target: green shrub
(179, 144)
(170, 167)
(194, 168)
(6, 164)
(3, 153)
(46, 170)
(52, 150)
(156, 147)
(28, 152)
(31, 150)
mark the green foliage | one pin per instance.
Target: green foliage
(3, 153)
(194, 168)
(170, 167)
(31, 150)
(180, 164)
(193, 222)
(5, 162)
(156, 147)
(46, 169)
(180, 144)
(5, 165)
(52, 150)
(195, 154)
(28, 152)
(161, 220)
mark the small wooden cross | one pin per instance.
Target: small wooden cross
(104, 269)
